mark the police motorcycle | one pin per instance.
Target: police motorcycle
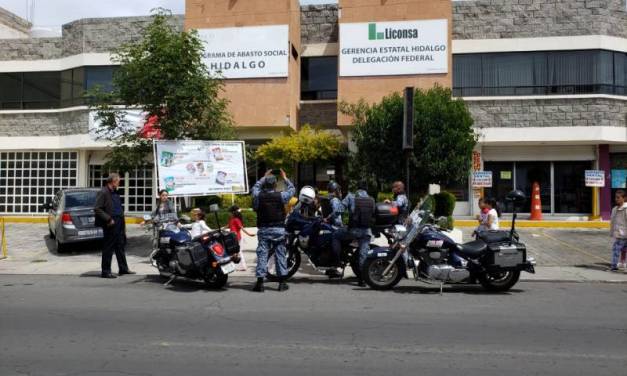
(495, 259)
(210, 257)
(309, 234)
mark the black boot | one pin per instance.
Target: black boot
(282, 285)
(259, 285)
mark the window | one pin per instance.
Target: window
(11, 92)
(41, 90)
(30, 179)
(80, 199)
(138, 197)
(319, 78)
(539, 73)
(99, 76)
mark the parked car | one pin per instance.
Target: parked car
(71, 217)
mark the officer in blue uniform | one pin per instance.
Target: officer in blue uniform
(360, 214)
(335, 219)
(270, 207)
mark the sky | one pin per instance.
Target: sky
(57, 12)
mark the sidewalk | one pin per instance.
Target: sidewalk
(569, 255)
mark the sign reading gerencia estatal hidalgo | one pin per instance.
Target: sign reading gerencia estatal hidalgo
(394, 48)
(246, 52)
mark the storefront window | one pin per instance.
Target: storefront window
(571, 193)
(502, 182)
(528, 173)
(319, 78)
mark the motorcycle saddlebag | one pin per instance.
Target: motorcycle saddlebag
(192, 255)
(505, 255)
(385, 215)
(493, 236)
(231, 245)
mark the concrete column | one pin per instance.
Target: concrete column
(605, 192)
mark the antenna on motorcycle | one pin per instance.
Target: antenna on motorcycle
(214, 208)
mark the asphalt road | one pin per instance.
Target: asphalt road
(135, 326)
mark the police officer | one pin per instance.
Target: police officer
(270, 207)
(360, 213)
(400, 201)
(110, 216)
(335, 219)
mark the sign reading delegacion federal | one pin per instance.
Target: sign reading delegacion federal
(247, 52)
(394, 48)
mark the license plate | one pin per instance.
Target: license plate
(228, 268)
(91, 220)
(164, 240)
(94, 232)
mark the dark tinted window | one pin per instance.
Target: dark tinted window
(539, 73)
(10, 90)
(319, 77)
(99, 76)
(41, 89)
(80, 199)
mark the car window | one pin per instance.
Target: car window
(80, 199)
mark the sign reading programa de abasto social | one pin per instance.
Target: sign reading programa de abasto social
(394, 48)
(247, 52)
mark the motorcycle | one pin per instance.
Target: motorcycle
(313, 237)
(495, 259)
(210, 257)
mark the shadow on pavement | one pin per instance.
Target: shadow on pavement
(138, 245)
(600, 266)
(459, 289)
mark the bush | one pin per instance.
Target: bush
(244, 201)
(382, 196)
(444, 204)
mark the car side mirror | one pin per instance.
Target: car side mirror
(213, 208)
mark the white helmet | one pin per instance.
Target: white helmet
(307, 195)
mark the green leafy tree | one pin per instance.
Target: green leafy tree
(443, 139)
(163, 75)
(304, 146)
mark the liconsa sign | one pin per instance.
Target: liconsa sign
(394, 48)
(247, 52)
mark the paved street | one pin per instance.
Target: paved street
(58, 325)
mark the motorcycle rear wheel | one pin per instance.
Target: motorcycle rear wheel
(293, 264)
(499, 282)
(373, 270)
(216, 281)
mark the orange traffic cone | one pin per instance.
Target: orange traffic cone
(536, 205)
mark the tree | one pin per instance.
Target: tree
(304, 146)
(443, 139)
(163, 75)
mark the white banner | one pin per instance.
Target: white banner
(198, 168)
(482, 179)
(135, 120)
(595, 178)
(394, 48)
(247, 52)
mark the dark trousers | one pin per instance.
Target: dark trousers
(113, 242)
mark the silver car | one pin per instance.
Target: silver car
(71, 216)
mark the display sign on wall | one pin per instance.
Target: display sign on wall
(482, 179)
(394, 48)
(247, 52)
(595, 178)
(198, 168)
(619, 178)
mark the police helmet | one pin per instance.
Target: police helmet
(307, 195)
(333, 187)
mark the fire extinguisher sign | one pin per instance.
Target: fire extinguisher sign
(595, 178)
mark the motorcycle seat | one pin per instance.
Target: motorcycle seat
(473, 249)
(493, 236)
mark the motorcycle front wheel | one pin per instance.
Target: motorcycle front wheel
(373, 273)
(293, 263)
(216, 281)
(500, 281)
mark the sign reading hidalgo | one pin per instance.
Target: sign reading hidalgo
(247, 52)
(394, 48)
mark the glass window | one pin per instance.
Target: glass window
(41, 90)
(571, 193)
(502, 182)
(99, 76)
(529, 172)
(11, 90)
(319, 77)
(80, 199)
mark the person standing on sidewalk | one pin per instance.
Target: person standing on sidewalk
(618, 228)
(360, 215)
(110, 216)
(270, 207)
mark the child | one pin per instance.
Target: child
(482, 218)
(618, 228)
(492, 222)
(236, 225)
(199, 227)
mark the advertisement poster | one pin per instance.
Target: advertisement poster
(595, 178)
(199, 168)
(246, 52)
(394, 48)
(619, 179)
(482, 179)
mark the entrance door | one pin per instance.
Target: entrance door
(529, 172)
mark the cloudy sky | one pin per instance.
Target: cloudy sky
(58, 12)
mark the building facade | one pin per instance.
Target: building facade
(545, 81)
